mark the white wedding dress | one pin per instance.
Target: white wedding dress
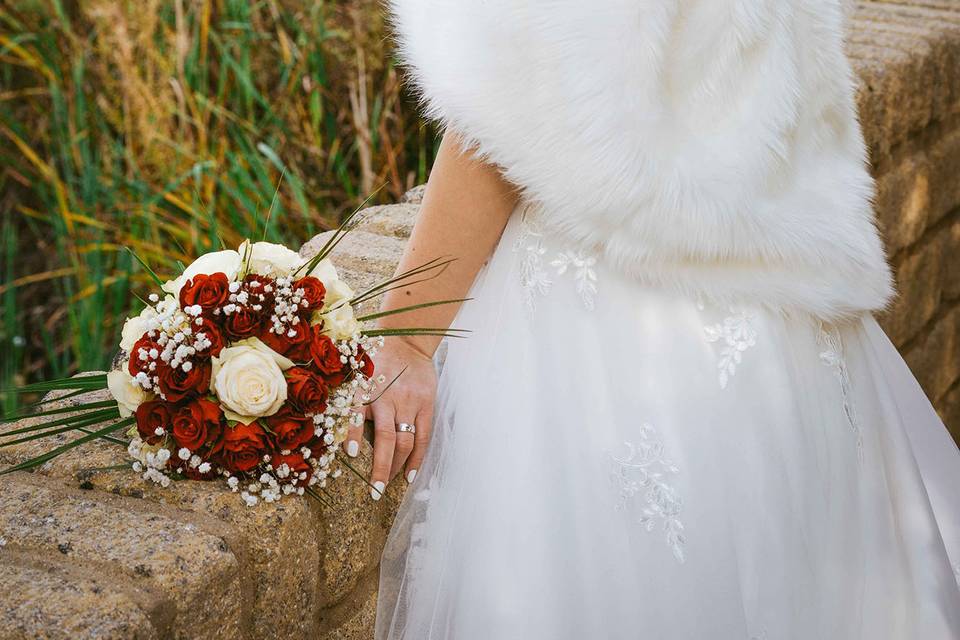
(613, 461)
(676, 418)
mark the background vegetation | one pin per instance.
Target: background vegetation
(164, 126)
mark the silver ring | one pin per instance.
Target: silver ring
(404, 427)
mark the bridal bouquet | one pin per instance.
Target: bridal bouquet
(249, 366)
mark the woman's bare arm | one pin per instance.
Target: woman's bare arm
(465, 208)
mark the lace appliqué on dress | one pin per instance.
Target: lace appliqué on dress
(538, 264)
(641, 477)
(828, 337)
(736, 334)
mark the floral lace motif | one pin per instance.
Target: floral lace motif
(828, 337)
(537, 268)
(641, 476)
(736, 334)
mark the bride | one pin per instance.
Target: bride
(675, 416)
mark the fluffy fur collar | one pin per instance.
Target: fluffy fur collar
(707, 144)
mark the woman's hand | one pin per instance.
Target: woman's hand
(465, 207)
(409, 400)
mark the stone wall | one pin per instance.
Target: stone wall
(90, 551)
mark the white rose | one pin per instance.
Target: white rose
(255, 343)
(248, 380)
(325, 272)
(128, 395)
(134, 328)
(337, 291)
(338, 321)
(269, 259)
(337, 313)
(227, 261)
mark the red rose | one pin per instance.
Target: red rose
(297, 465)
(290, 429)
(317, 446)
(326, 357)
(150, 416)
(306, 391)
(243, 447)
(312, 294)
(197, 424)
(211, 332)
(242, 323)
(137, 364)
(295, 347)
(208, 291)
(191, 473)
(260, 289)
(177, 384)
(195, 474)
(366, 362)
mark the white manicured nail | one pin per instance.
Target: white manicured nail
(411, 475)
(353, 448)
(377, 490)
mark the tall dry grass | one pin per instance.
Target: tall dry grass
(165, 126)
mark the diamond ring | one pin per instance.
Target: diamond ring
(404, 427)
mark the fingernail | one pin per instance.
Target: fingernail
(377, 490)
(353, 448)
(411, 475)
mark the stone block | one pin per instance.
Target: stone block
(355, 529)
(359, 626)
(49, 600)
(949, 409)
(415, 195)
(361, 252)
(933, 358)
(919, 190)
(394, 220)
(184, 563)
(951, 259)
(906, 55)
(920, 279)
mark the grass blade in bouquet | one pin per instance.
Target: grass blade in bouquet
(84, 417)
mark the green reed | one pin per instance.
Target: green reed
(165, 127)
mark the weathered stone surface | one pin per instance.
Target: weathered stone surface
(361, 252)
(108, 533)
(919, 190)
(916, 305)
(933, 357)
(951, 256)
(907, 54)
(415, 195)
(951, 411)
(46, 599)
(359, 625)
(356, 529)
(394, 220)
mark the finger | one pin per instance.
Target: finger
(404, 443)
(384, 438)
(354, 434)
(421, 442)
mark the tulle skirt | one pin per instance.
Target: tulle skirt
(615, 461)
